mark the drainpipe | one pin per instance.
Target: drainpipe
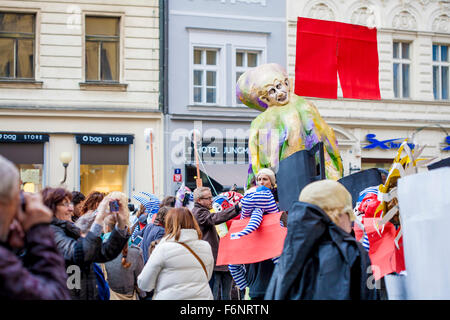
(163, 55)
(163, 89)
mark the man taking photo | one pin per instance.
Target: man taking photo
(39, 274)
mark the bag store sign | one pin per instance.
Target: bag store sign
(12, 137)
(104, 139)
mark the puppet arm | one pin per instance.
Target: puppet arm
(238, 273)
(253, 224)
(318, 130)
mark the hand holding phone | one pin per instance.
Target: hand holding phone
(114, 206)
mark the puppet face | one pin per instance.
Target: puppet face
(277, 93)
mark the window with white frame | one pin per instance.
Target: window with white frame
(244, 60)
(205, 75)
(401, 69)
(440, 71)
(217, 59)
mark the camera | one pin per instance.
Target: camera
(114, 206)
(131, 207)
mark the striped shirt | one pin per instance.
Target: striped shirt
(254, 205)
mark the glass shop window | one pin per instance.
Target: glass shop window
(17, 42)
(29, 160)
(103, 168)
(102, 49)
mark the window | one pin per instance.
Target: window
(103, 168)
(17, 41)
(402, 63)
(245, 60)
(102, 49)
(205, 75)
(440, 72)
(216, 60)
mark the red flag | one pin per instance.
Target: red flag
(326, 47)
(264, 243)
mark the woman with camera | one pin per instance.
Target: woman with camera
(80, 253)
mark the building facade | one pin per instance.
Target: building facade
(82, 77)
(210, 44)
(413, 42)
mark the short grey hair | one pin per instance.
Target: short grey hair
(9, 182)
(198, 193)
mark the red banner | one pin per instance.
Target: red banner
(264, 243)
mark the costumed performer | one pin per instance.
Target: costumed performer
(257, 202)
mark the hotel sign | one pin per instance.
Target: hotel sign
(218, 151)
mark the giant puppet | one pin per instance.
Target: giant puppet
(287, 124)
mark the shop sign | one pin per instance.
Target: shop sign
(23, 137)
(218, 151)
(447, 140)
(177, 177)
(104, 139)
(385, 144)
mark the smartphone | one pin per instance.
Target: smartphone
(114, 206)
(137, 241)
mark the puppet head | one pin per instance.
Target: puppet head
(263, 87)
(232, 196)
(221, 203)
(331, 196)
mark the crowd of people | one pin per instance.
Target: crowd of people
(58, 244)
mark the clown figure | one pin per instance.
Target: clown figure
(287, 124)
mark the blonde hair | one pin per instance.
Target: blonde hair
(268, 172)
(331, 196)
(180, 218)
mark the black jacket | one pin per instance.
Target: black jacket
(81, 252)
(320, 261)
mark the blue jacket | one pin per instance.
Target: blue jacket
(151, 232)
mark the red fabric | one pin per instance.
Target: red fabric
(326, 47)
(384, 255)
(358, 61)
(359, 233)
(264, 243)
(316, 60)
